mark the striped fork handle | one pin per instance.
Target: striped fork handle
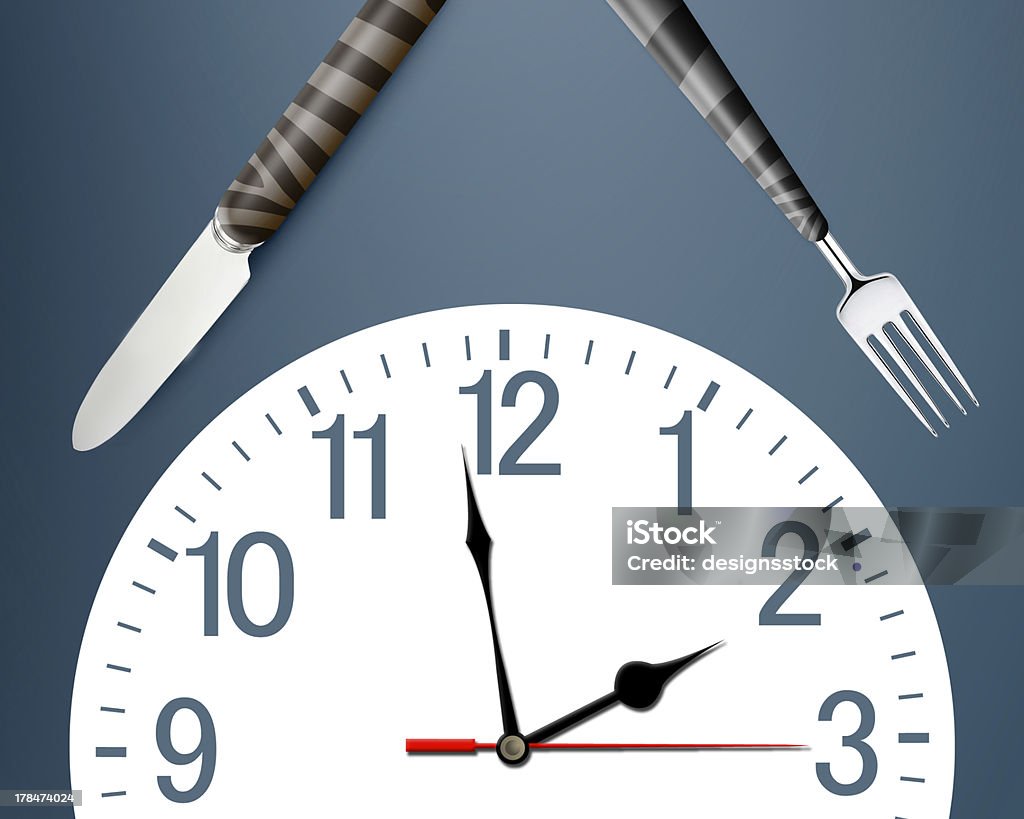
(319, 118)
(671, 35)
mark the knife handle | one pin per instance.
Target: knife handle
(319, 118)
(671, 35)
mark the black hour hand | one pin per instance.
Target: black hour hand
(637, 685)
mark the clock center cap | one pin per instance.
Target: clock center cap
(512, 749)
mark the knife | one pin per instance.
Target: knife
(216, 268)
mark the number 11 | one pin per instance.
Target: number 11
(335, 433)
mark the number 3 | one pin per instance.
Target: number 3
(868, 759)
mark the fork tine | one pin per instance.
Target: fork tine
(896, 354)
(909, 371)
(886, 371)
(926, 360)
(927, 332)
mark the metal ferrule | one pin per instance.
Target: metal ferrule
(844, 267)
(226, 241)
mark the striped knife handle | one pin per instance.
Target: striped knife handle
(319, 118)
(671, 35)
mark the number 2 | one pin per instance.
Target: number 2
(770, 615)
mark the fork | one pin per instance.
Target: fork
(876, 311)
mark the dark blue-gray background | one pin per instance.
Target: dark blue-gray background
(526, 151)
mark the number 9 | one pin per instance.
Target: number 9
(205, 748)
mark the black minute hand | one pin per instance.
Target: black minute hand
(479, 543)
(637, 685)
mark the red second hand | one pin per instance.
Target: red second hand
(639, 746)
(471, 746)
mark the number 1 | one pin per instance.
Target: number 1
(683, 430)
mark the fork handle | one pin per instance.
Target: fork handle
(347, 80)
(671, 35)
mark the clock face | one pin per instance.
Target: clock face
(295, 598)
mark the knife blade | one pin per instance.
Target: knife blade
(215, 269)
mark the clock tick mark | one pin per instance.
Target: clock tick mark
(309, 401)
(775, 448)
(671, 375)
(918, 779)
(850, 541)
(138, 585)
(426, 355)
(384, 364)
(162, 550)
(109, 709)
(875, 577)
(111, 752)
(708, 397)
(629, 364)
(914, 739)
(469, 353)
(273, 423)
(348, 386)
(590, 350)
(910, 696)
(837, 500)
(803, 480)
(904, 655)
(212, 482)
(128, 627)
(547, 344)
(743, 420)
(122, 668)
(503, 342)
(184, 514)
(242, 452)
(890, 615)
(113, 793)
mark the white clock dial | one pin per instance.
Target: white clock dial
(295, 599)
